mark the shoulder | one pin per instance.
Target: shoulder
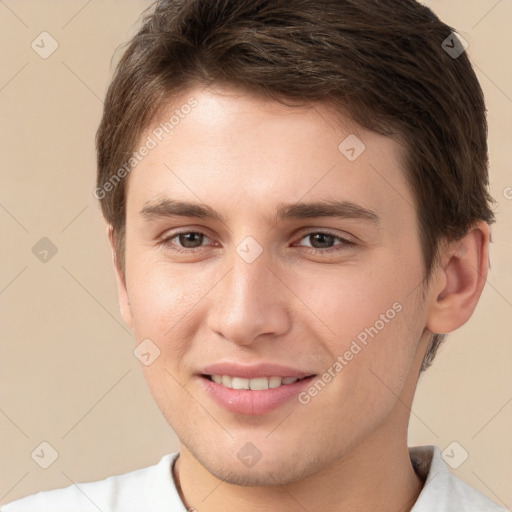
(443, 491)
(120, 493)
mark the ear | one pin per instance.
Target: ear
(124, 300)
(460, 279)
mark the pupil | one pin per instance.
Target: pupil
(189, 238)
(322, 236)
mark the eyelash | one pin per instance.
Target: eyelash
(344, 245)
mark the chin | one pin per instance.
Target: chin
(269, 476)
(276, 470)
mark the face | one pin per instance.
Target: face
(293, 270)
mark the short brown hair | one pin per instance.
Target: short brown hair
(384, 62)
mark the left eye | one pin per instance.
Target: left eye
(321, 240)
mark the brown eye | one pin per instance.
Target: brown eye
(321, 241)
(185, 241)
(190, 240)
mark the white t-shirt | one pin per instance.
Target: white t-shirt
(152, 489)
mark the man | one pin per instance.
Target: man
(296, 200)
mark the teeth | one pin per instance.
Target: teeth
(257, 384)
(274, 382)
(238, 383)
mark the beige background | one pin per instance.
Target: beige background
(68, 374)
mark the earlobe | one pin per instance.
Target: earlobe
(462, 273)
(122, 292)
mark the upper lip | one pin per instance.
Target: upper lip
(254, 371)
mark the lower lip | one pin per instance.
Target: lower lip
(245, 401)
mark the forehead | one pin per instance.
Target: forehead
(231, 149)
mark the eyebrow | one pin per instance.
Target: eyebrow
(336, 209)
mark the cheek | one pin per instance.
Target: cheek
(164, 304)
(161, 298)
(372, 322)
(348, 301)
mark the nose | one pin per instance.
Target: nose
(249, 302)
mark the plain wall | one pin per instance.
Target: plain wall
(68, 374)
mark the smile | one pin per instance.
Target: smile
(253, 396)
(256, 384)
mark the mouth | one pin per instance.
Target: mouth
(257, 395)
(253, 389)
(254, 384)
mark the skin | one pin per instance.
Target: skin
(243, 155)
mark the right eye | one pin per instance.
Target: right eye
(189, 240)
